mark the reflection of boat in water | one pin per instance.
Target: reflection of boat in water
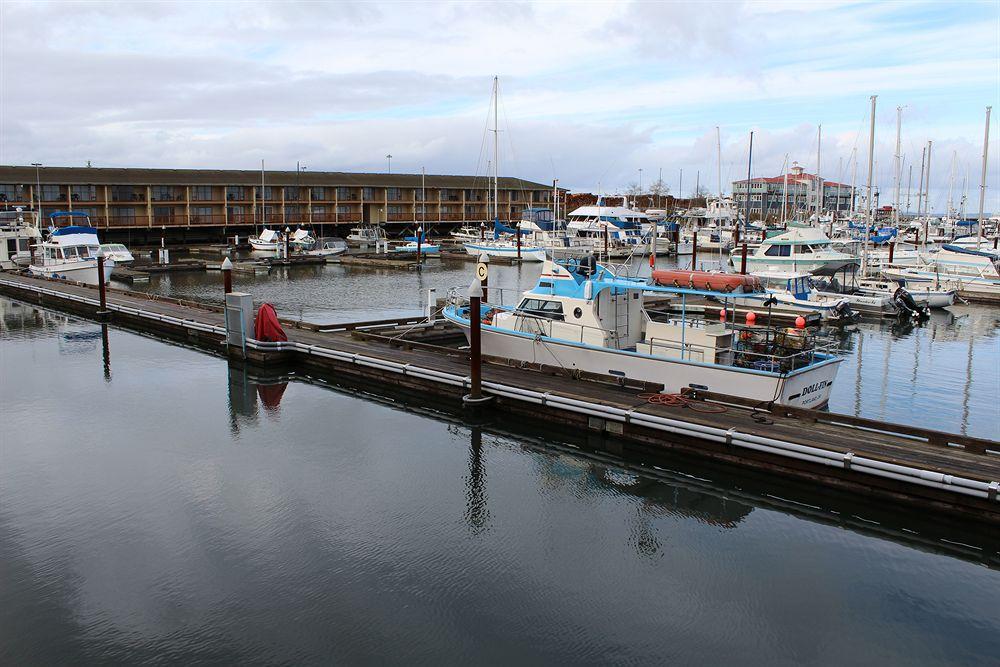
(580, 316)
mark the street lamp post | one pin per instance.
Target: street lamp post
(38, 194)
(389, 160)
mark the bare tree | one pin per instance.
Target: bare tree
(659, 189)
(633, 190)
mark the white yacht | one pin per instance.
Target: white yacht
(713, 225)
(70, 253)
(17, 235)
(118, 253)
(366, 235)
(328, 247)
(617, 228)
(798, 249)
(580, 316)
(267, 241)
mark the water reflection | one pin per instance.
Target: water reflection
(248, 391)
(477, 511)
(106, 352)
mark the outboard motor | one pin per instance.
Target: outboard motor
(844, 313)
(907, 306)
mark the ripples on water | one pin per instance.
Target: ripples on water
(948, 367)
(156, 504)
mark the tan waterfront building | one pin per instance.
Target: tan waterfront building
(132, 199)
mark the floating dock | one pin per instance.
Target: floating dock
(930, 470)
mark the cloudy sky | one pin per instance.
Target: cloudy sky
(590, 92)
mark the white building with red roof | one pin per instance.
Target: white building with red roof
(801, 195)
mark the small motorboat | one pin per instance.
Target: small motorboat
(922, 293)
(117, 252)
(328, 247)
(425, 248)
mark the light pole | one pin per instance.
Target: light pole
(640, 181)
(38, 194)
(389, 160)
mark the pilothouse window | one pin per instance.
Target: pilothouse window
(551, 310)
(779, 251)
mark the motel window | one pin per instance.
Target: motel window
(394, 194)
(236, 193)
(368, 194)
(421, 208)
(345, 193)
(164, 193)
(201, 214)
(127, 193)
(83, 193)
(446, 209)
(11, 193)
(201, 193)
(395, 210)
(318, 193)
(125, 214)
(269, 192)
(50, 193)
(291, 193)
(343, 208)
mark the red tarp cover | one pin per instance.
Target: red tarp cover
(267, 328)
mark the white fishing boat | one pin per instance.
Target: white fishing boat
(470, 233)
(70, 253)
(797, 250)
(17, 235)
(267, 241)
(582, 317)
(411, 247)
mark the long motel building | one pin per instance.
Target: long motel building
(184, 202)
(802, 193)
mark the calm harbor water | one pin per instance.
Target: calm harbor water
(158, 505)
(948, 367)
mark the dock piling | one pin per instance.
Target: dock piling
(475, 396)
(743, 259)
(103, 314)
(227, 275)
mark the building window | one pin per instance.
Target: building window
(236, 193)
(165, 193)
(318, 193)
(125, 215)
(345, 193)
(292, 193)
(269, 192)
(127, 193)
(368, 194)
(421, 194)
(83, 193)
(11, 193)
(51, 193)
(421, 209)
(446, 209)
(515, 195)
(396, 210)
(450, 195)
(394, 194)
(201, 214)
(201, 193)
(343, 208)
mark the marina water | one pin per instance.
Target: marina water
(156, 504)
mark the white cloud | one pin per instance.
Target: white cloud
(592, 91)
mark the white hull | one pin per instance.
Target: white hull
(81, 272)
(807, 387)
(528, 253)
(755, 264)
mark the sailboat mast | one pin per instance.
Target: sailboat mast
(927, 192)
(784, 191)
(263, 199)
(819, 180)
(718, 145)
(899, 165)
(951, 185)
(746, 220)
(982, 180)
(496, 147)
(920, 187)
(868, 202)
(909, 189)
(854, 179)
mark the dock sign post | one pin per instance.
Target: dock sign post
(483, 274)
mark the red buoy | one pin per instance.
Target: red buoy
(751, 317)
(800, 322)
(722, 314)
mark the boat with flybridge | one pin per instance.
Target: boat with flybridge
(581, 316)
